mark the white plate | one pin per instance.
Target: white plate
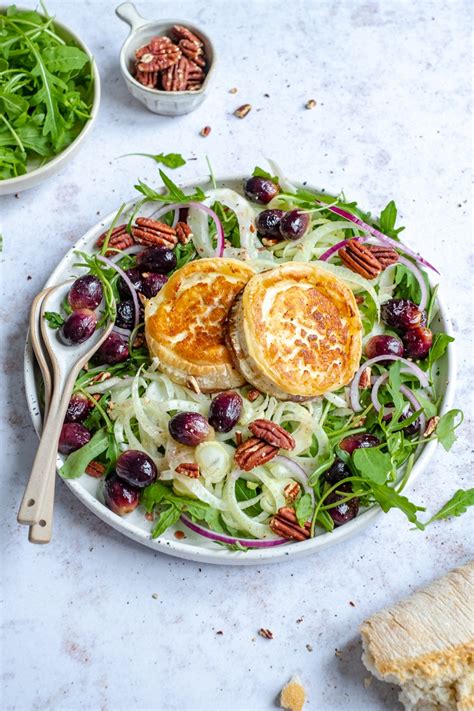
(194, 547)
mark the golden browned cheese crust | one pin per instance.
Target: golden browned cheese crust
(184, 322)
(295, 332)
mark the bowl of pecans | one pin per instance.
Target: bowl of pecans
(166, 65)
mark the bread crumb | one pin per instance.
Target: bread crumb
(309, 647)
(367, 681)
(293, 695)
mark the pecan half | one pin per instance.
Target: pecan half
(178, 32)
(291, 491)
(242, 111)
(385, 255)
(119, 239)
(285, 524)
(149, 79)
(157, 61)
(365, 378)
(175, 78)
(183, 232)
(95, 469)
(268, 634)
(190, 469)
(431, 426)
(272, 433)
(193, 51)
(196, 73)
(193, 85)
(253, 394)
(154, 46)
(151, 232)
(359, 259)
(254, 452)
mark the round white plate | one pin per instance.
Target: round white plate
(194, 547)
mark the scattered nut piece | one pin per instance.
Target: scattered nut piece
(268, 634)
(95, 469)
(310, 104)
(364, 381)
(293, 695)
(242, 111)
(291, 492)
(309, 647)
(367, 681)
(190, 469)
(155, 596)
(337, 653)
(234, 90)
(431, 426)
(253, 394)
(219, 632)
(179, 535)
(149, 516)
(205, 131)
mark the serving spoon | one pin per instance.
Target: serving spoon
(66, 362)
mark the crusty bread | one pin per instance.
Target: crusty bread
(293, 695)
(426, 644)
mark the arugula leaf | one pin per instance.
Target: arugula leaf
(54, 319)
(64, 59)
(388, 499)
(439, 347)
(77, 462)
(174, 194)
(171, 160)
(304, 509)
(446, 427)
(260, 173)
(372, 464)
(158, 494)
(166, 518)
(244, 493)
(388, 218)
(457, 505)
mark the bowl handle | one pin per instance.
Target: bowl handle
(129, 14)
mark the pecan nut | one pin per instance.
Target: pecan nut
(285, 524)
(193, 51)
(95, 469)
(253, 394)
(157, 61)
(175, 78)
(431, 426)
(154, 46)
(178, 32)
(272, 433)
(242, 111)
(291, 491)
(183, 232)
(119, 239)
(152, 233)
(359, 259)
(385, 255)
(190, 469)
(149, 79)
(254, 452)
(365, 379)
(195, 73)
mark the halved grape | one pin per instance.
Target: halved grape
(294, 224)
(85, 293)
(157, 259)
(136, 468)
(152, 283)
(189, 428)
(113, 350)
(78, 327)
(78, 408)
(73, 436)
(120, 497)
(417, 342)
(260, 190)
(135, 277)
(225, 411)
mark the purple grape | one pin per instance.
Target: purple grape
(260, 190)
(135, 277)
(189, 428)
(384, 345)
(343, 513)
(85, 293)
(294, 224)
(136, 468)
(78, 408)
(400, 313)
(157, 259)
(225, 411)
(125, 314)
(336, 472)
(358, 441)
(119, 496)
(113, 350)
(152, 283)
(417, 342)
(73, 436)
(268, 223)
(78, 327)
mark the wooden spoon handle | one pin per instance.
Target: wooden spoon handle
(41, 532)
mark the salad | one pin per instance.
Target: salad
(170, 452)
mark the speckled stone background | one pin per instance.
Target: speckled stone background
(93, 620)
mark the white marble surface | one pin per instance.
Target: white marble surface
(94, 621)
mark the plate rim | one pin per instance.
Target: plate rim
(222, 556)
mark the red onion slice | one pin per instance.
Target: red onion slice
(406, 391)
(222, 538)
(168, 208)
(127, 281)
(419, 277)
(336, 247)
(217, 222)
(134, 249)
(122, 331)
(354, 389)
(376, 233)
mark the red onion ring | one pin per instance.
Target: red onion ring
(134, 249)
(168, 208)
(127, 281)
(419, 277)
(376, 233)
(297, 471)
(222, 538)
(354, 389)
(122, 331)
(406, 391)
(324, 257)
(217, 222)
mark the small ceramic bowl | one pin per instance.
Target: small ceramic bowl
(166, 103)
(37, 175)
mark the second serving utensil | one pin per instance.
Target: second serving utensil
(66, 362)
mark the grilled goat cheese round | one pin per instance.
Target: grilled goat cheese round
(184, 323)
(295, 332)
